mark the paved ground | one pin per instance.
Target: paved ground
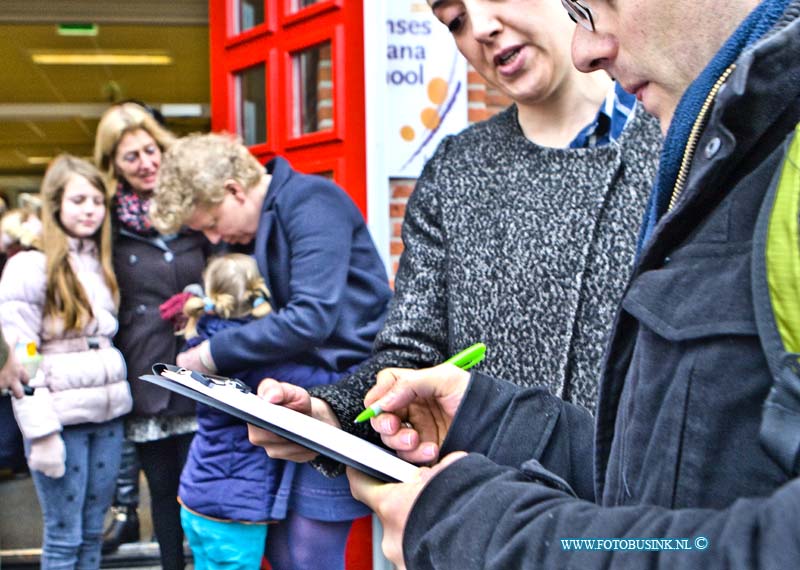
(21, 530)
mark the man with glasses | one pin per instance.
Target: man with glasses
(693, 458)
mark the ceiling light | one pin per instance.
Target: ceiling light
(95, 57)
(38, 159)
(182, 109)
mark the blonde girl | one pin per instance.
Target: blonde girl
(64, 298)
(233, 290)
(230, 489)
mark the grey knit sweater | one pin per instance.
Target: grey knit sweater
(522, 247)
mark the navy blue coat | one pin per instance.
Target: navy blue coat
(328, 284)
(675, 452)
(225, 476)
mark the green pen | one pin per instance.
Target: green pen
(465, 360)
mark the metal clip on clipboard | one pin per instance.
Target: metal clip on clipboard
(212, 380)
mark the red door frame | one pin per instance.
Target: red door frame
(341, 150)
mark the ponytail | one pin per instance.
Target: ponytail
(193, 309)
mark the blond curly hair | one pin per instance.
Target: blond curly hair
(193, 174)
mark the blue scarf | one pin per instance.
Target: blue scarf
(758, 23)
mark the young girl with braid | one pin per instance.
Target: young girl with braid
(230, 489)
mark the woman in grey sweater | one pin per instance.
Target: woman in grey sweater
(521, 231)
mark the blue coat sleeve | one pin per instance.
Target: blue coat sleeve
(319, 230)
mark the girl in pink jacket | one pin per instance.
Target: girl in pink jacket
(64, 298)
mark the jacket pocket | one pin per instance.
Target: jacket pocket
(701, 291)
(692, 397)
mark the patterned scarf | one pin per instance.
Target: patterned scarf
(758, 23)
(131, 209)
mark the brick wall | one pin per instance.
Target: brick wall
(324, 88)
(483, 102)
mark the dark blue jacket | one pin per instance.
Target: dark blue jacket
(675, 450)
(328, 284)
(225, 476)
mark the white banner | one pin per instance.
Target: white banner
(426, 85)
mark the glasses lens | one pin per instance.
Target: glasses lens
(570, 10)
(579, 14)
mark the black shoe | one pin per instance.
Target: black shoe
(124, 528)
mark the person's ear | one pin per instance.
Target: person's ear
(234, 188)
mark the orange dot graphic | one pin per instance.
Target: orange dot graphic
(429, 118)
(407, 133)
(437, 90)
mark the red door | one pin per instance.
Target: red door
(288, 76)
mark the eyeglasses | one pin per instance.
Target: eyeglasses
(579, 14)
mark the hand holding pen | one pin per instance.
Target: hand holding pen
(465, 360)
(417, 407)
(418, 443)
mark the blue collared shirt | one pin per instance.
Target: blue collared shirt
(610, 120)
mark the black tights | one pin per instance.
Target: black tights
(162, 461)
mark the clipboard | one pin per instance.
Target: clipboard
(234, 397)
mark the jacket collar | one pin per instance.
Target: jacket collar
(281, 174)
(280, 171)
(81, 245)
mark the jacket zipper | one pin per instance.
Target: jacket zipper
(694, 135)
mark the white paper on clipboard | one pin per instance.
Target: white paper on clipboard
(305, 430)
